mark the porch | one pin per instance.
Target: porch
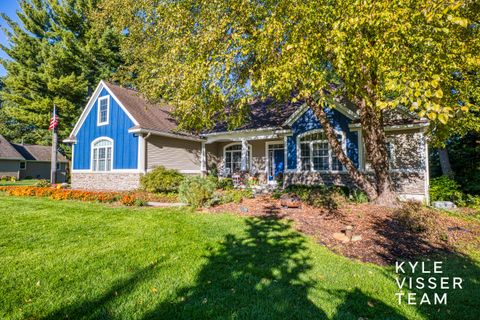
(259, 158)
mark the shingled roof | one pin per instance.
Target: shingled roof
(263, 114)
(149, 116)
(32, 152)
(7, 151)
(158, 117)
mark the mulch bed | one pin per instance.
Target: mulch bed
(383, 241)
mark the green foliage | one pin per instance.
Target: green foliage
(445, 189)
(236, 195)
(380, 54)
(42, 183)
(196, 191)
(161, 180)
(56, 56)
(225, 183)
(328, 197)
(464, 154)
(413, 217)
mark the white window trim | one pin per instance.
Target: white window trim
(330, 151)
(20, 165)
(91, 154)
(99, 123)
(234, 144)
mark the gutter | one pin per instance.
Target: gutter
(165, 134)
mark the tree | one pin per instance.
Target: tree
(203, 55)
(56, 57)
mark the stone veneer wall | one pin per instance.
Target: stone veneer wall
(408, 185)
(115, 181)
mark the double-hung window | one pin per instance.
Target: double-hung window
(103, 110)
(102, 155)
(233, 158)
(317, 155)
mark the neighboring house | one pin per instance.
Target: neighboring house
(121, 136)
(29, 161)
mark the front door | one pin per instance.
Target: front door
(276, 161)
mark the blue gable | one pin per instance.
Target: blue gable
(125, 145)
(308, 121)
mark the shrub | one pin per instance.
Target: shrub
(415, 218)
(42, 183)
(131, 200)
(225, 184)
(328, 197)
(162, 180)
(236, 195)
(445, 189)
(196, 191)
(357, 196)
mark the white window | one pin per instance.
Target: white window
(103, 110)
(23, 165)
(316, 153)
(233, 158)
(102, 151)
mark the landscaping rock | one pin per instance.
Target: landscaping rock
(444, 205)
(290, 201)
(340, 236)
(356, 237)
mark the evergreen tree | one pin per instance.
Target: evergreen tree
(57, 57)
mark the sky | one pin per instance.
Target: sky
(8, 7)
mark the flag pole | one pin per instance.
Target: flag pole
(53, 167)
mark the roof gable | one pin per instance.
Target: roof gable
(7, 150)
(91, 102)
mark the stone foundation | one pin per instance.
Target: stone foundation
(408, 185)
(114, 181)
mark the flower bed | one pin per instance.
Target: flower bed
(63, 194)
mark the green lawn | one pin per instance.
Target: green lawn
(27, 182)
(91, 261)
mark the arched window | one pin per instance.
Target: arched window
(102, 154)
(233, 158)
(316, 153)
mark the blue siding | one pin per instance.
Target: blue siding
(125, 145)
(308, 121)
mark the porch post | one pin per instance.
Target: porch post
(244, 155)
(203, 160)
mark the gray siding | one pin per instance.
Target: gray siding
(9, 168)
(41, 170)
(173, 153)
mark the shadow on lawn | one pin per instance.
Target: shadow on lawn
(262, 275)
(403, 245)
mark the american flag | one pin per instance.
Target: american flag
(53, 120)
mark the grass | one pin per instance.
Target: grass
(27, 182)
(91, 261)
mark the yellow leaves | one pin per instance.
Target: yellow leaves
(439, 93)
(432, 116)
(459, 20)
(464, 108)
(443, 118)
(422, 113)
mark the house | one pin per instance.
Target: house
(121, 136)
(26, 161)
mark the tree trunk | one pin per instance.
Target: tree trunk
(358, 177)
(376, 152)
(445, 163)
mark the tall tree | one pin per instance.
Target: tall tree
(57, 56)
(202, 55)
